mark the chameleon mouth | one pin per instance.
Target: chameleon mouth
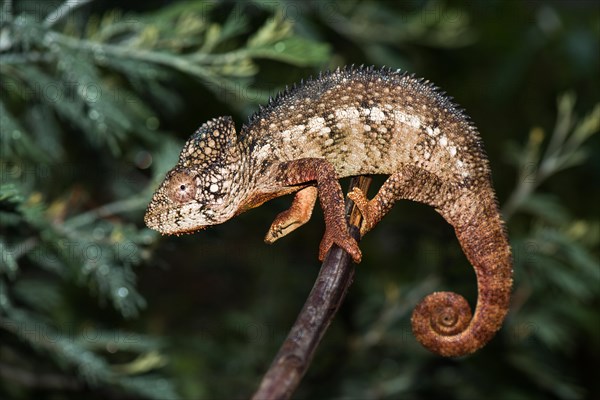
(188, 232)
(171, 229)
(171, 221)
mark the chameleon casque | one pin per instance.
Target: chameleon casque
(354, 121)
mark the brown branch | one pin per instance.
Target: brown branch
(296, 352)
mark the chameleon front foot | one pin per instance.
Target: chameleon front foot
(344, 240)
(297, 215)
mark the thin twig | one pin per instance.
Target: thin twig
(327, 294)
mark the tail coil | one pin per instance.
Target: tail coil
(442, 322)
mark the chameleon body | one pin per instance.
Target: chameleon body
(354, 121)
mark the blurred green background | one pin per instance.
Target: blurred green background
(96, 101)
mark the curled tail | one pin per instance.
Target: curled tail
(442, 322)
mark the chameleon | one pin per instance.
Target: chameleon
(348, 122)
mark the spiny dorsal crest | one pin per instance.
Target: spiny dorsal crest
(213, 143)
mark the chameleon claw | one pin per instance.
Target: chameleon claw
(362, 203)
(277, 231)
(346, 242)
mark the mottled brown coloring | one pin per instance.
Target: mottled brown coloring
(346, 123)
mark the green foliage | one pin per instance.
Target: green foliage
(94, 106)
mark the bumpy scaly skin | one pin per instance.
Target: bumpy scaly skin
(354, 122)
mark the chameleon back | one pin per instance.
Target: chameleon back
(368, 121)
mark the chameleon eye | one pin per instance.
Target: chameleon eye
(181, 188)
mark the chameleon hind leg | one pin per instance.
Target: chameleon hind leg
(410, 183)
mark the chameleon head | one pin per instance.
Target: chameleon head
(201, 189)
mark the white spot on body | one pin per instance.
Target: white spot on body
(286, 135)
(265, 150)
(316, 124)
(348, 115)
(213, 188)
(445, 142)
(297, 130)
(408, 119)
(376, 114)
